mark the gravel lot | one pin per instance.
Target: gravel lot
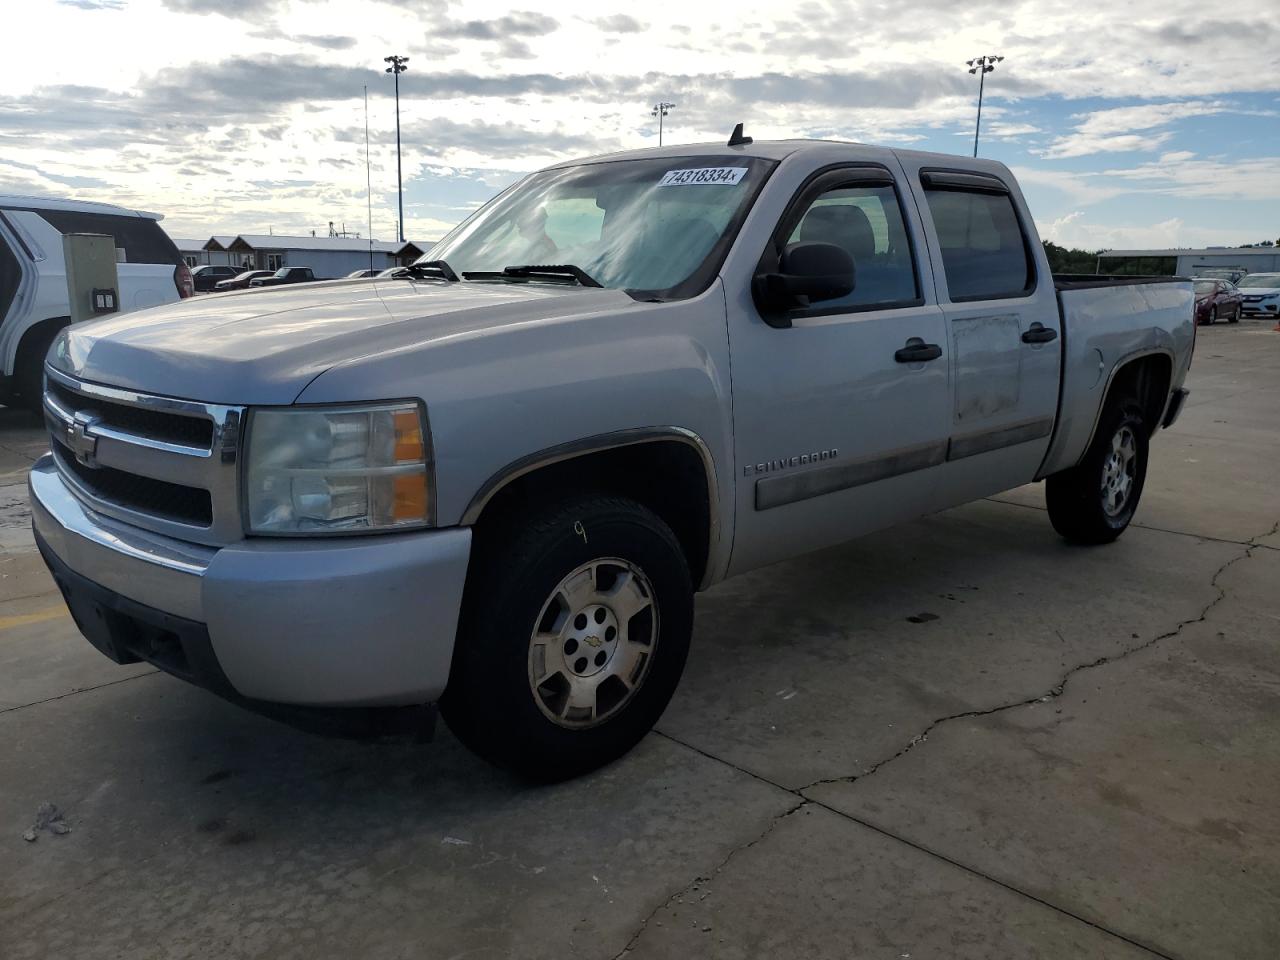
(1079, 757)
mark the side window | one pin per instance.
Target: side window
(275, 261)
(984, 253)
(141, 239)
(866, 220)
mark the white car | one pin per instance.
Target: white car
(34, 304)
(1260, 293)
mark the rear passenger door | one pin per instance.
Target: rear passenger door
(1003, 324)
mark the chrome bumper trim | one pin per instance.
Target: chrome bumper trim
(150, 568)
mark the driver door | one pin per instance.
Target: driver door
(840, 421)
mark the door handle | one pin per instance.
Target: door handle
(1039, 333)
(917, 351)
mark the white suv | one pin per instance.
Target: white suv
(34, 304)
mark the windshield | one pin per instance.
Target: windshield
(1260, 280)
(1205, 286)
(657, 228)
(282, 272)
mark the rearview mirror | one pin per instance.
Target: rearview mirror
(807, 273)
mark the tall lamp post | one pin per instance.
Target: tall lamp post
(981, 66)
(660, 110)
(398, 66)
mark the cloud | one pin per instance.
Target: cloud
(327, 41)
(519, 24)
(1113, 130)
(258, 10)
(93, 4)
(1076, 231)
(619, 23)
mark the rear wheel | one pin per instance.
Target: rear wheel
(575, 631)
(1095, 500)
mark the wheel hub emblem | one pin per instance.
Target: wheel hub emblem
(593, 641)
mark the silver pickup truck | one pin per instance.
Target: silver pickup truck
(494, 482)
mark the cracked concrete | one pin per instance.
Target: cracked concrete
(1074, 756)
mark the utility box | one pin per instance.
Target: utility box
(92, 283)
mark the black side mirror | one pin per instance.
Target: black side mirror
(807, 273)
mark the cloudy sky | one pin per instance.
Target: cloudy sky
(1144, 123)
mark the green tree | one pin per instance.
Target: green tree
(1064, 260)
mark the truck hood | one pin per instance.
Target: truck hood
(263, 346)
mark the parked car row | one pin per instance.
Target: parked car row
(1256, 295)
(240, 280)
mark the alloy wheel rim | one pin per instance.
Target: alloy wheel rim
(1119, 471)
(593, 643)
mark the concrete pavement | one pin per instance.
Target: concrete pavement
(1075, 754)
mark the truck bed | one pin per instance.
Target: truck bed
(1105, 321)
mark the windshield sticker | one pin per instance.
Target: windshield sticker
(702, 175)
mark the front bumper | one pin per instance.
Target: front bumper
(335, 622)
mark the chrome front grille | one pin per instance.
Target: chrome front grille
(162, 464)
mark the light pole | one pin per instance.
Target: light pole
(398, 67)
(660, 110)
(981, 66)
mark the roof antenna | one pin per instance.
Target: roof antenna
(736, 139)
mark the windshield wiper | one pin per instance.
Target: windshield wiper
(436, 269)
(550, 272)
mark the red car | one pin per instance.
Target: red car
(241, 280)
(1217, 300)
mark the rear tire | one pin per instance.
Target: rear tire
(1095, 500)
(575, 629)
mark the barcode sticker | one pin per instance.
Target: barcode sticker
(702, 175)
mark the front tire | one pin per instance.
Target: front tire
(1235, 317)
(1213, 315)
(1095, 500)
(574, 634)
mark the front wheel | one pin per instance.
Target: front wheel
(1235, 317)
(1213, 315)
(574, 635)
(1095, 500)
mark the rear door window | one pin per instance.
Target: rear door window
(141, 239)
(984, 250)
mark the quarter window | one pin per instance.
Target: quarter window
(866, 221)
(983, 249)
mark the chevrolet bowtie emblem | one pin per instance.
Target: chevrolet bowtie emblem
(593, 641)
(79, 440)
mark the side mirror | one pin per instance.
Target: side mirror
(807, 273)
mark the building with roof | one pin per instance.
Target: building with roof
(327, 257)
(1188, 262)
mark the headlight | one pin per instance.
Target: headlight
(316, 470)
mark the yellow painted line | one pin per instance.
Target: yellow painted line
(40, 616)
